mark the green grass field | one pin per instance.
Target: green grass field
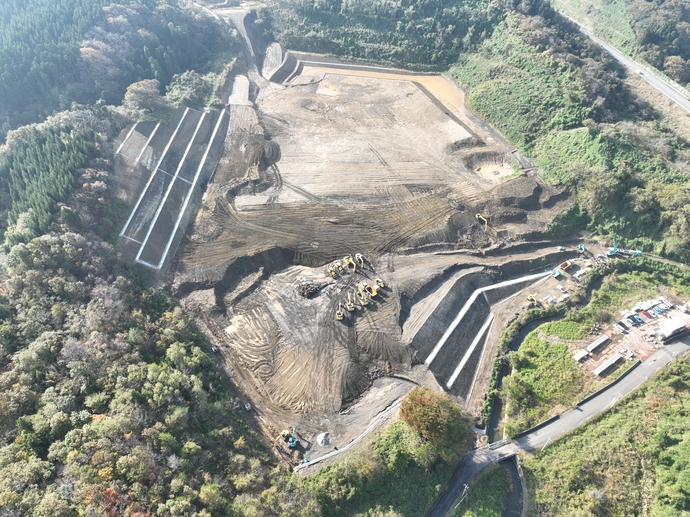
(487, 495)
(632, 460)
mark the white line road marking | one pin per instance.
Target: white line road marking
(148, 183)
(467, 355)
(126, 138)
(172, 183)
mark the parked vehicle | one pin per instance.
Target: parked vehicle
(623, 325)
(638, 319)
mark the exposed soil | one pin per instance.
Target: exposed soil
(328, 164)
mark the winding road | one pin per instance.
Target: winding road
(637, 68)
(478, 459)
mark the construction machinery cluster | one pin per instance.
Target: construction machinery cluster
(364, 293)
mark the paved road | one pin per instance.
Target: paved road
(478, 459)
(636, 67)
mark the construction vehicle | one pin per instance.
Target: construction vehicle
(293, 442)
(349, 306)
(284, 436)
(618, 251)
(360, 258)
(581, 248)
(380, 283)
(348, 261)
(372, 290)
(486, 223)
(567, 264)
(531, 298)
(331, 270)
(613, 251)
(339, 266)
(339, 312)
(362, 294)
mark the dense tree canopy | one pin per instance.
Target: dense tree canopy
(55, 52)
(416, 33)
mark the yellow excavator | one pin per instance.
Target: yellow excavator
(366, 288)
(339, 312)
(349, 305)
(360, 258)
(531, 298)
(362, 293)
(482, 218)
(380, 283)
(348, 261)
(331, 270)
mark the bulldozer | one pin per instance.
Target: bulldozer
(331, 270)
(339, 312)
(380, 283)
(348, 261)
(349, 305)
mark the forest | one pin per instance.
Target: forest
(57, 52)
(419, 34)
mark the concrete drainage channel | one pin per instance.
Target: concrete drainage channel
(456, 354)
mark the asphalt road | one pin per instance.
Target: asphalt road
(478, 459)
(636, 68)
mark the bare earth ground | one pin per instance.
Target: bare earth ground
(334, 163)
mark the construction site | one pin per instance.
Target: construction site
(341, 233)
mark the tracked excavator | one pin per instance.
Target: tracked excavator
(339, 312)
(348, 261)
(349, 305)
(360, 258)
(486, 223)
(331, 270)
(362, 294)
(538, 303)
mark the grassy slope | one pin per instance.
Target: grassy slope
(563, 103)
(633, 460)
(398, 472)
(487, 496)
